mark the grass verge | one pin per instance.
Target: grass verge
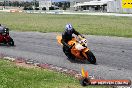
(93, 25)
(12, 76)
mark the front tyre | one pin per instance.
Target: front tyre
(91, 58)
(11, 42)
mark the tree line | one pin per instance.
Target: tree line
(19, 3)
(27, 4)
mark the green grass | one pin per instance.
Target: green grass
(93, 25)
(12, 76)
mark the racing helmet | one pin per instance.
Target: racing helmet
(69, 28)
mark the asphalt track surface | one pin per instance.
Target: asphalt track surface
(113, 54)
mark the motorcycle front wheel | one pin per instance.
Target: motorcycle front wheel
(91, 58)
(11, 42)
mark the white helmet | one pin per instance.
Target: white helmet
(69, 28)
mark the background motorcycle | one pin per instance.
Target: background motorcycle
(5, 38)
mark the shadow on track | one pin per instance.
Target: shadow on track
(80, 61)
(6, 45)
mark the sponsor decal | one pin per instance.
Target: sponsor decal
(126, 3)
(85, 81)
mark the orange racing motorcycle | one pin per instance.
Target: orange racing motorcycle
(79, 49)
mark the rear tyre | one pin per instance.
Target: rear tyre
(11, 42)
(91, 58)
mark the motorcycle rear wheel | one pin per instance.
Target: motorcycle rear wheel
(91, 58)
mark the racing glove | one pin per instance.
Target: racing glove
(82, 36)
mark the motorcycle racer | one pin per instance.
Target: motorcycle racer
(75, 47)
(67, 35)
(5, 37)
(4, 30)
